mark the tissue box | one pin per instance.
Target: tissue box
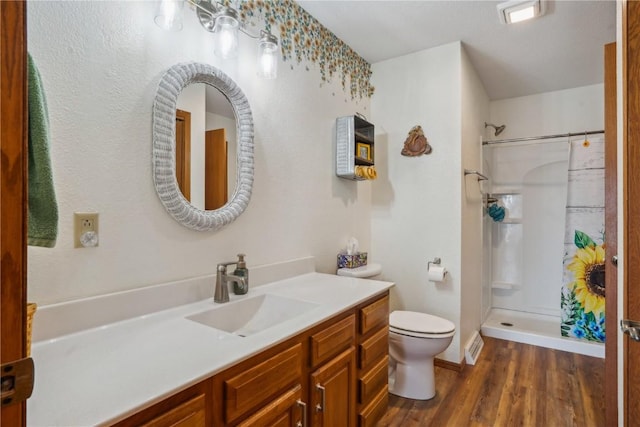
(352, 261)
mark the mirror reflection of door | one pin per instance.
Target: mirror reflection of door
(183, 152)
(215, 167)
(205, 165)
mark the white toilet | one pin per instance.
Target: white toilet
(414, 341)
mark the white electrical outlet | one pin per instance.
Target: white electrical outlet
(85, 225)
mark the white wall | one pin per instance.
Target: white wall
(539, 172)
(416, 201)
(475, 110)
(571, 110)
(101, 63)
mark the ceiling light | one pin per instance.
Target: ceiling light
(514, 11)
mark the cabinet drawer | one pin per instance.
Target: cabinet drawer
(283, 411)
(374, 315)
(374, 380)
(333, 340)
(373, 412)
(189, 414)
(260, 382)
(375, 347)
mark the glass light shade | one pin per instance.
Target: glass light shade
(267, 58)
(226, 37)
(169, 15)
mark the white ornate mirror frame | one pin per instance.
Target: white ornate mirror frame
(164, 136)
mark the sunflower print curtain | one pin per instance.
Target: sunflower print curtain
(583, 292)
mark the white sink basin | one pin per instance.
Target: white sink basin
(253, 315)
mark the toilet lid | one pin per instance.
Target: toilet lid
(412, 321)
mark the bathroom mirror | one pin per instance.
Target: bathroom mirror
(171, 85)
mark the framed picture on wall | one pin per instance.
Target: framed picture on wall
(363, 151)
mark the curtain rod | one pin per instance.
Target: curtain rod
(533, 138)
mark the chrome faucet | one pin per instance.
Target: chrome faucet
(221, 292)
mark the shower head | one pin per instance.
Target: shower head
(498, 129)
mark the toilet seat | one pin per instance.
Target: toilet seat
(420, 325)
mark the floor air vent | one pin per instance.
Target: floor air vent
(473, 348)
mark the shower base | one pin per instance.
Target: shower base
(535, 329)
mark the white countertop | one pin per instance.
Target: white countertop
(102, 375)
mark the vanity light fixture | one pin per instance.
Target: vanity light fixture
(224, 22)
(514, 11)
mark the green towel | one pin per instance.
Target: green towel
(42, 227)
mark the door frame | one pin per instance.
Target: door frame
(631, 204)
(13, 206)
(611, 233)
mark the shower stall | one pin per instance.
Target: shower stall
(550, 193)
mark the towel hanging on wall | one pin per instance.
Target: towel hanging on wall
(42, 228)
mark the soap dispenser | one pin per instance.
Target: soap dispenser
(241, 271)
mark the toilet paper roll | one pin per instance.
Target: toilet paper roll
(436, 273)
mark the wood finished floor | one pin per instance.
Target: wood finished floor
(512, 384)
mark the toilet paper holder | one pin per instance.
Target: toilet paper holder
(435, 261)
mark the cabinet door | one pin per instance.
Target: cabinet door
(333, 392)
(285, 411)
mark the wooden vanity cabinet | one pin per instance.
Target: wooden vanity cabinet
(334, 373)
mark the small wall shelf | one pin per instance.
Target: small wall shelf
(510, 221)
(354, 146)
(504, 285)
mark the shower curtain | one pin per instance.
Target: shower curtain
(582, 298)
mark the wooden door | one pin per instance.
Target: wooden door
(183, 152)
(631, 183)
(13, 213)
(333, 392)
(611, 233)
(215, 169)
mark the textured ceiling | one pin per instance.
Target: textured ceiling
(562, 49)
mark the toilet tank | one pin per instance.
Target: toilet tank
(369, 271)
